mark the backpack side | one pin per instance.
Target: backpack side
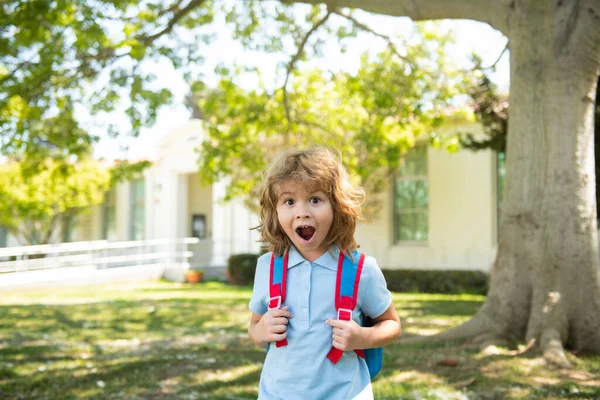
(373, 357)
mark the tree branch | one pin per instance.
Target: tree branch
(364, 27)
(50, 230)
(177, 16)
(170, 9)
(19, 67)
(295, 58)
(498, 59)
(28, 233)
(493, 12)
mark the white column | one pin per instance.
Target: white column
(123, 211)
(182, 214)
(149, 205)
(166, 218)
(219, 226)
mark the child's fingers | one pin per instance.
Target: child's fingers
(336, 323)
(280, 321)
(275, 337)
(339, 345)
(279, 328)
(281, 312)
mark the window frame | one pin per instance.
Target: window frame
(396, 240)
(134, 205)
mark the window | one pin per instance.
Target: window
(411, 198)
(3, 237)
(109, 216)
(199, 226)
(138, 210)
(68, 228)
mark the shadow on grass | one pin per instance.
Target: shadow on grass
(149, 375)
(190, 341)
(446, 308)
(112, 319)
(423, 370)
(123, 349)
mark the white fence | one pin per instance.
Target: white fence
(95, 261)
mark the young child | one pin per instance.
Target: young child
(309, 208)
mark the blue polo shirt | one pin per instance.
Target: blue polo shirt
(301, 370)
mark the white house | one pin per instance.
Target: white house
(440, 212)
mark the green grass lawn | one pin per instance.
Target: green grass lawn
(163, 340)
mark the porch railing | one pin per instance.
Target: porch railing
(99, 254)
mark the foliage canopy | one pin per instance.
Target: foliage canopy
(372, 116)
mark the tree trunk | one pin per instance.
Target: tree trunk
(545, 281)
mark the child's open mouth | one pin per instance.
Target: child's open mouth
(305, 232)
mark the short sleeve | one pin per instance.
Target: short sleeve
(376, 297)
(258, 301)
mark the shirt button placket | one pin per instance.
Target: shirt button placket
(306, 315)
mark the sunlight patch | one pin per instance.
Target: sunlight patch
(413, 377)
(422, 331)
(226, 375)
(545, 380)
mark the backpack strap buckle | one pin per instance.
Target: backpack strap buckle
(274, 303)
(344, 314)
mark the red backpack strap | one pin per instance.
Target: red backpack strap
(277, 285)
(346, 294)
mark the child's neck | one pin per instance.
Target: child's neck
(311, 255)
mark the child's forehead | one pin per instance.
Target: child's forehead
(295, 186)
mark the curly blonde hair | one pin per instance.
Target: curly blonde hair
(320, 170)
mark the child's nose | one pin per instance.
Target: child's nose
(302, 212)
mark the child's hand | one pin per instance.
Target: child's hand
(273, 325)
(347, 335)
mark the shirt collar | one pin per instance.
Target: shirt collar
(328, 260)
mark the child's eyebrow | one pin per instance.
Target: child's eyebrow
(312, 193)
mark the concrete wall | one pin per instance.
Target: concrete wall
(462, 217)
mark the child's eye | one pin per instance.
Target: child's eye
(315, 200)
(288, 202)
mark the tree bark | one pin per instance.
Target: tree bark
(493, 12)
(545, 283)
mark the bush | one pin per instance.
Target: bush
(241, 268)
(436, 281)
